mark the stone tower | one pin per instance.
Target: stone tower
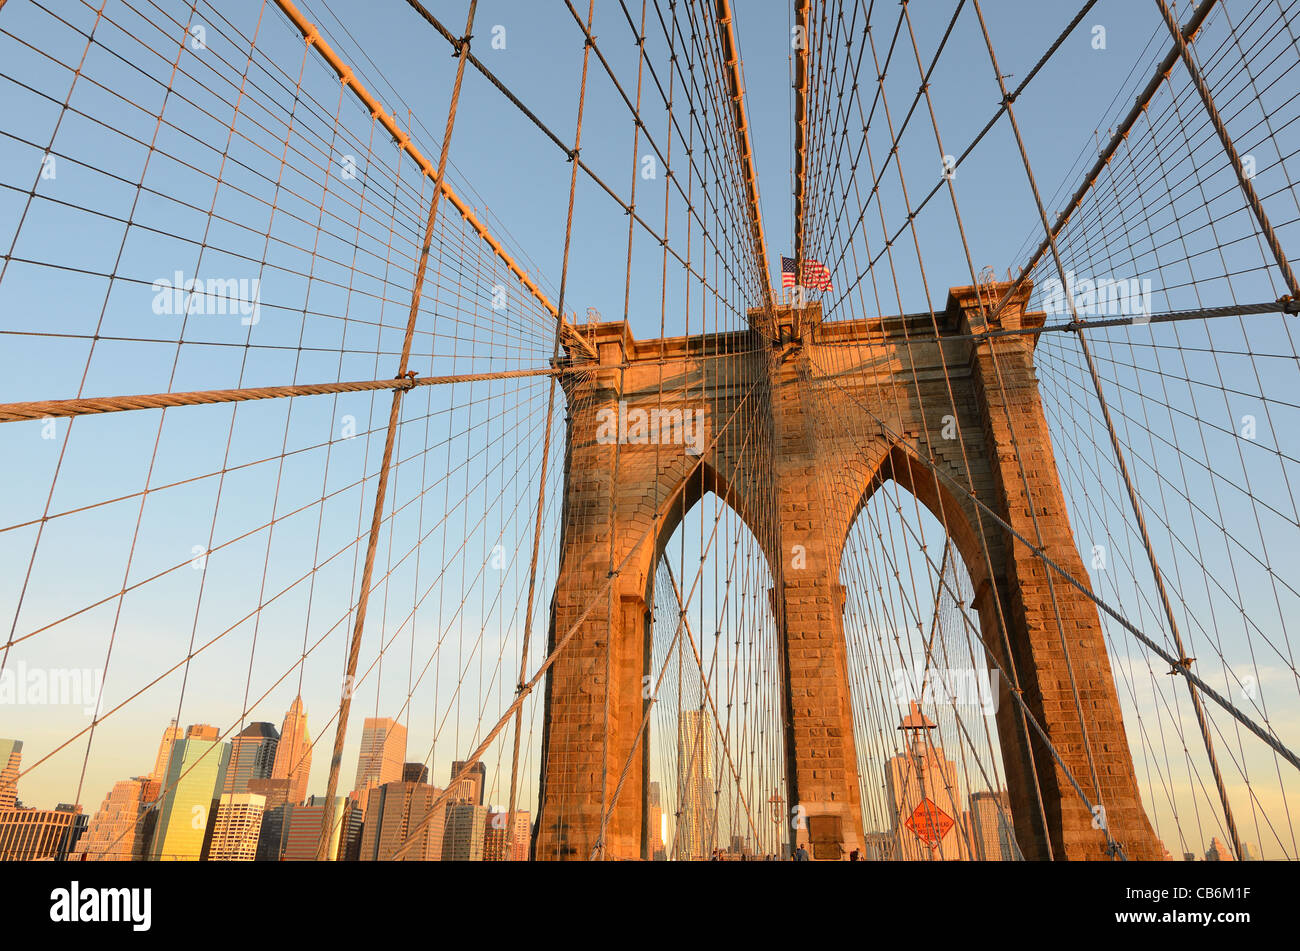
(801, 422)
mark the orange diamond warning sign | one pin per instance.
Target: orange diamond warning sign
(929, 823)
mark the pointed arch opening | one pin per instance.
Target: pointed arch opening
(924, 693)
(716, 753)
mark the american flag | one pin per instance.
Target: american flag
(816, 276)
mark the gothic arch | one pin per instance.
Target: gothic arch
(899, 464)
(690, 490)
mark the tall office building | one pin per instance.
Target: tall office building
(922, 790)
(11, 756)
(462, 840)
(989, 826)
(303, 829)
(655, 824)
(503, 842)
(383, 751)
(392, 810)
(415, 773)
(237, 827)
(170, 736)
(28, 835)
(293, 753)
(464, 791)
(477, 779)
(495, 837)
(276, 792)
(521, 836)
(695, 786)
(252, 756)
(121, 830)
(196, 772)
(354, 823)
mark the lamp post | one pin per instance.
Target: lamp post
(778, 813)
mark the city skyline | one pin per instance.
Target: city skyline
(218, 801)
(142, 818)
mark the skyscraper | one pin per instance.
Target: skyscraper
(170, 736)
(415, 773)
(237, 827)
(501, 841)
(695, 826)
(477, 776)
(11, 756)
(276, 792)
(922, 789)
(383, 751)
(293, 753)
(462, 841)
(196, 772)
(121, 830)
(27, 835)
(354, 823)
(520, 836)
(303, 828)
(654, 824)
(991, 833)
(392, 810)
(495, 837)
(252, 756)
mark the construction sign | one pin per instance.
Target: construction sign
(929, 823)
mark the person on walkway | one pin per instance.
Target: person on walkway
(801, 854)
